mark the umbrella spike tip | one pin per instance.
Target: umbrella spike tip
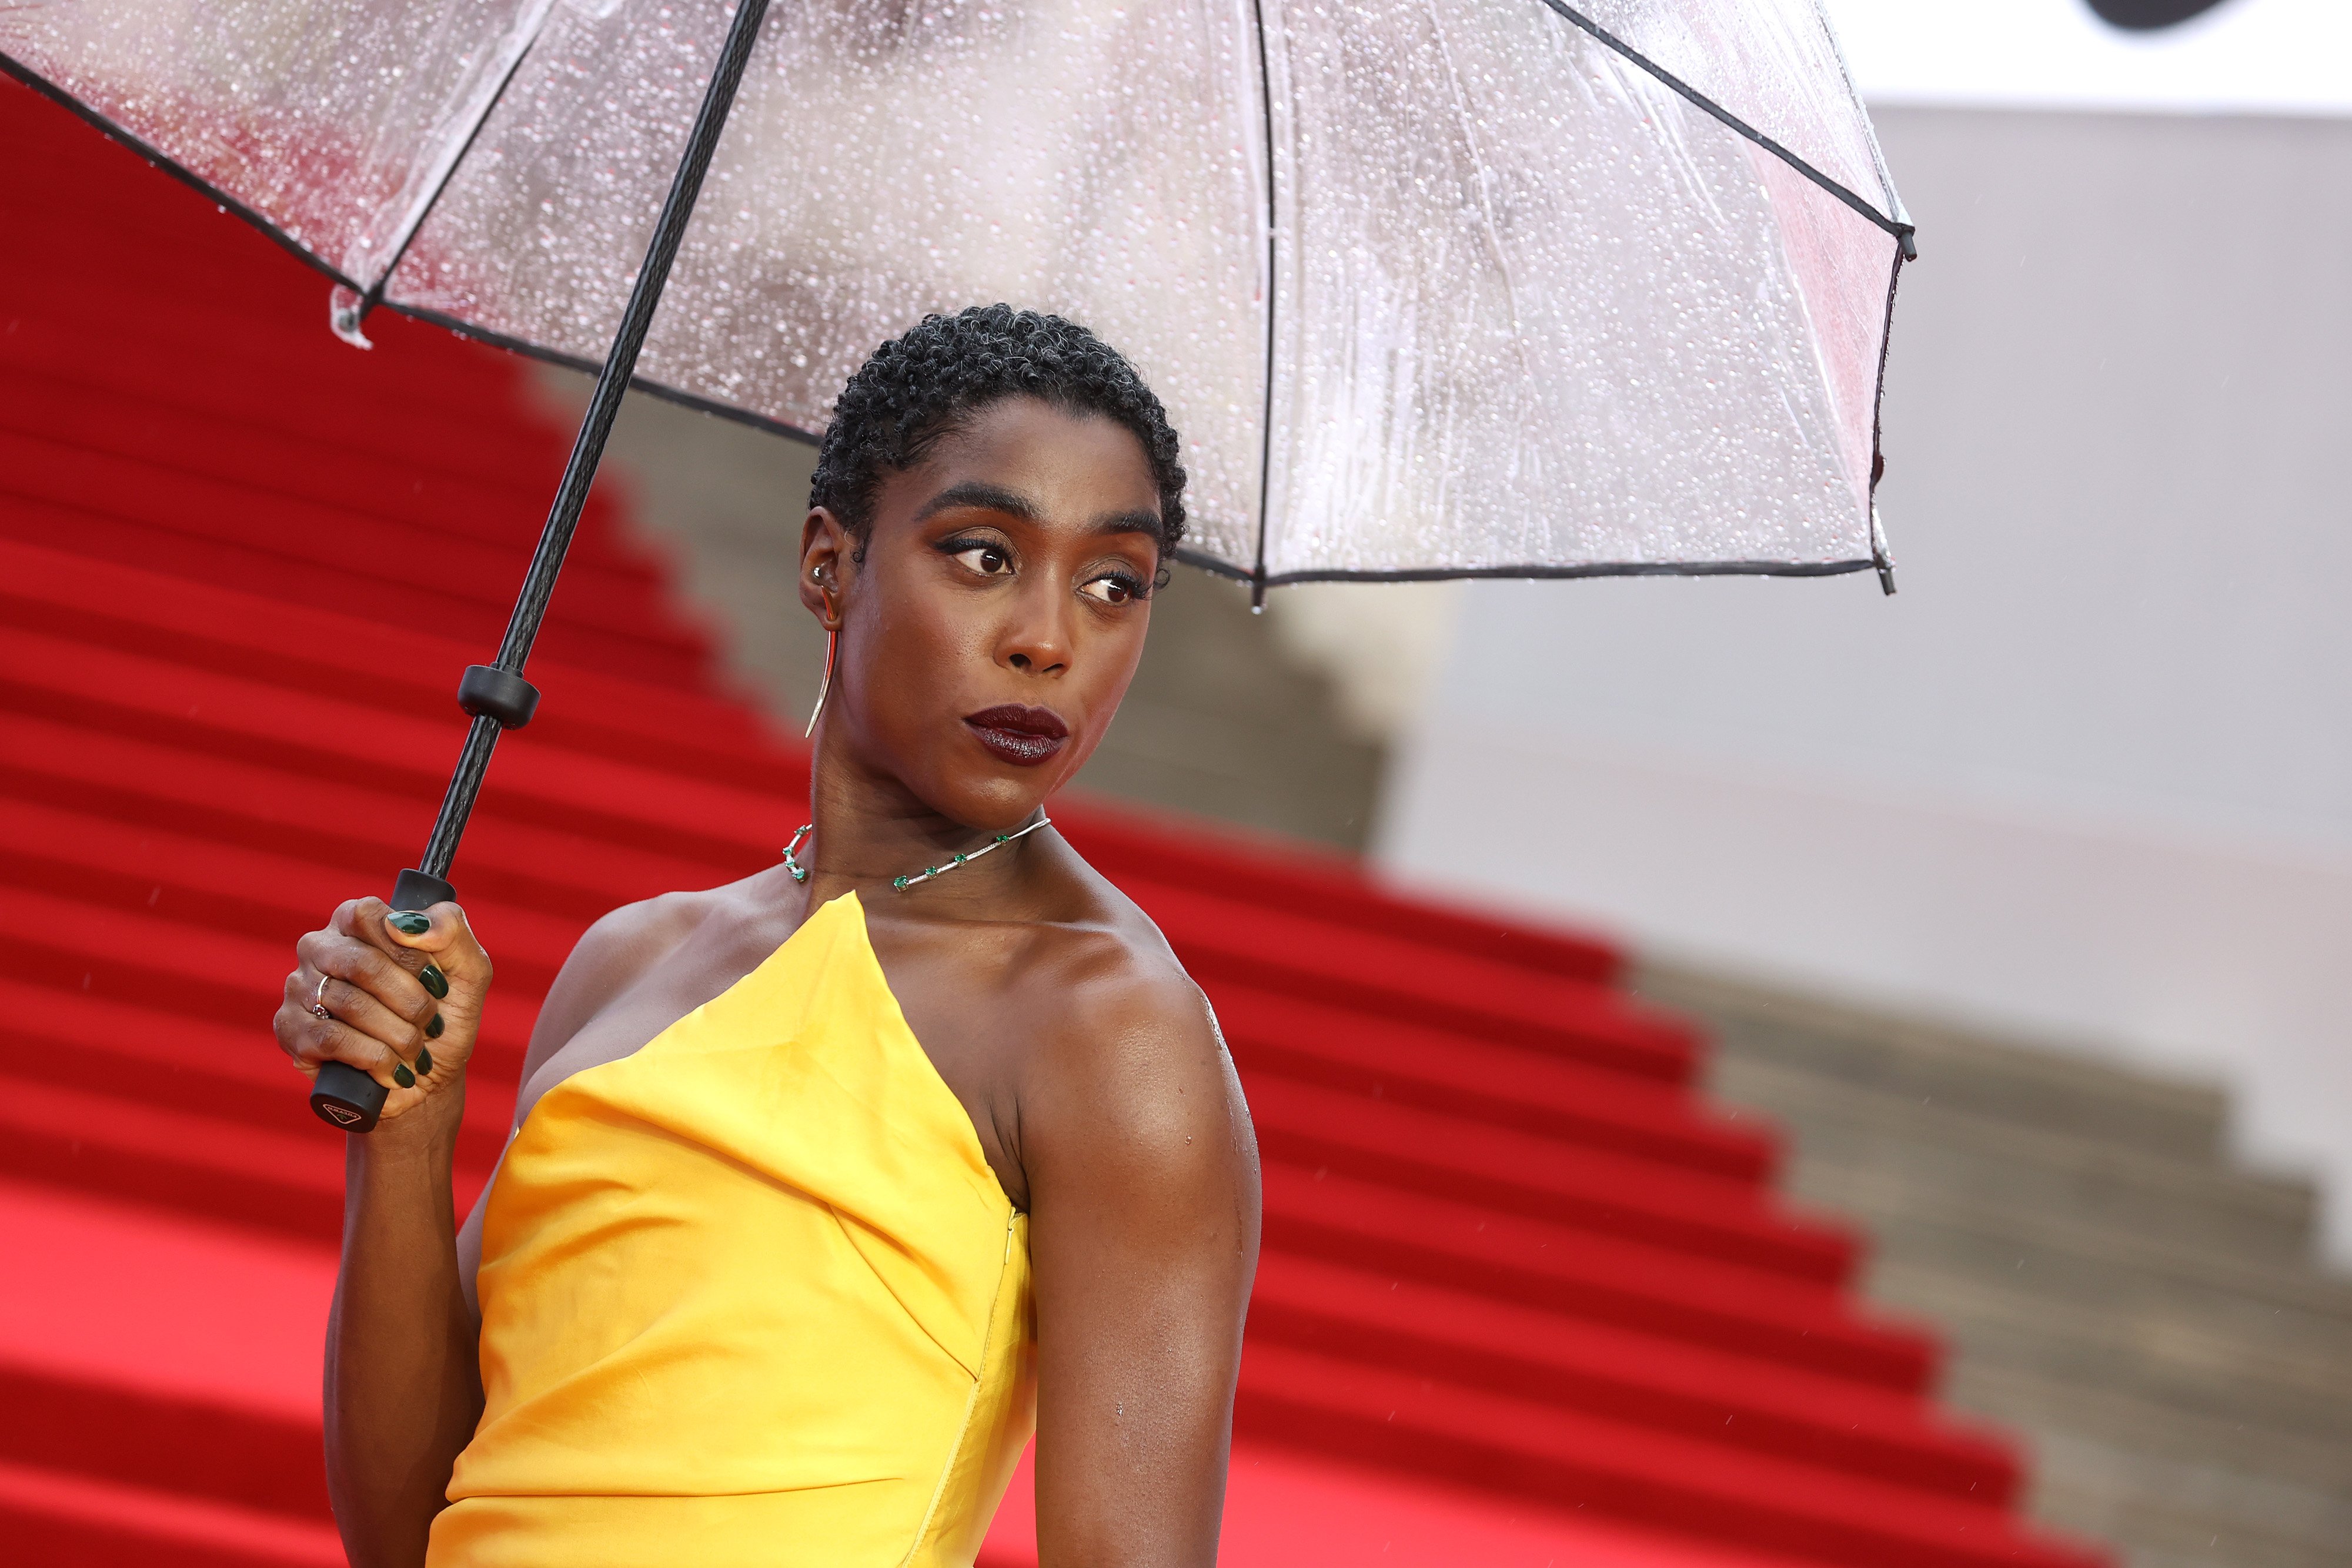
(346, 310)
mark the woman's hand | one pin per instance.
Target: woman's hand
(402, 997)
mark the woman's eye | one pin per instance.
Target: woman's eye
(986, 559)
(1111, 590)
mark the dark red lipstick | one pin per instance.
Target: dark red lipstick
(1024, 736)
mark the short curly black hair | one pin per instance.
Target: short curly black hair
(924, 385)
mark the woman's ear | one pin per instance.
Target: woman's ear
(825, 548)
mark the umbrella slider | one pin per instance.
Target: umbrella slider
(488, 692)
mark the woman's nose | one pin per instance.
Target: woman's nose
(1036, 640)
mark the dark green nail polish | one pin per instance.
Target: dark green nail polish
(405, 1079)
(433, 1029)
(424, 1062)
(409, 923)
(434, 980)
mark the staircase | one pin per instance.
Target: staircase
(2149, 1315)
(1509, 1249)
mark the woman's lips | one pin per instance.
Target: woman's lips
(1024, 736)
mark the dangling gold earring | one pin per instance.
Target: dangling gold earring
(824, 687)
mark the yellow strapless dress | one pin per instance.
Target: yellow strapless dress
(752, 1295)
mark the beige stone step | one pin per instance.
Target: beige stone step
(1936, 1063)
(2167, 1362)
(2058, 1256)
(1894, 1146)
(2167, 1514)
(2038, 1407)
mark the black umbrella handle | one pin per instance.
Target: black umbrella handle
(496, 696)
(341, 1095)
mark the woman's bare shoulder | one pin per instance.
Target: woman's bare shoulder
(1130, 1054)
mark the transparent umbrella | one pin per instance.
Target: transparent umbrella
(1498, 287)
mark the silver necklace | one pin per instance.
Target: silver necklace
(800, 872)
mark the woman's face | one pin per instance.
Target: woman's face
(997, 617)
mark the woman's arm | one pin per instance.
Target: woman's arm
(1143, 1187)
(403, 1387)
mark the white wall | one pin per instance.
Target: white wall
(2292, 57)
(2090, 773)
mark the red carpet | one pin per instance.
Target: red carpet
(1523, 1294)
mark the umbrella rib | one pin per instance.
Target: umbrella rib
(1901, 230)
(416, 222)
(1257, 576)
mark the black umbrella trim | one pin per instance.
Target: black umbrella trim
(530, 350)
(1594, 568)
(211, 192)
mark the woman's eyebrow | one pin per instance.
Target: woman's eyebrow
(1138, 521)
(979, 496)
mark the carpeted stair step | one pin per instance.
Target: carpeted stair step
(242, 1458)
(1317, 1213)
(1453, 1336)
(50, 482)
(376, 482)
(49, 1516)
(1283, 1036)
(173, 967)
(1511, 1173)
(70, 1039)
(1390, 1417)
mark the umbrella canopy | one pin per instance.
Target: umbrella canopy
(1507, 286)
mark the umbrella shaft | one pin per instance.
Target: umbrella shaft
(458, 803)
(604, 408)
(636, 317)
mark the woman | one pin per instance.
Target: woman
(819, 1180)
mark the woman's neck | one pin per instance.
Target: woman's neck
(870, 829)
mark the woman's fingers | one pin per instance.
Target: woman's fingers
(311, 1040)
(437, 946)
(396, 994)
(363, 1012)
(377, 974)
(442, 935)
